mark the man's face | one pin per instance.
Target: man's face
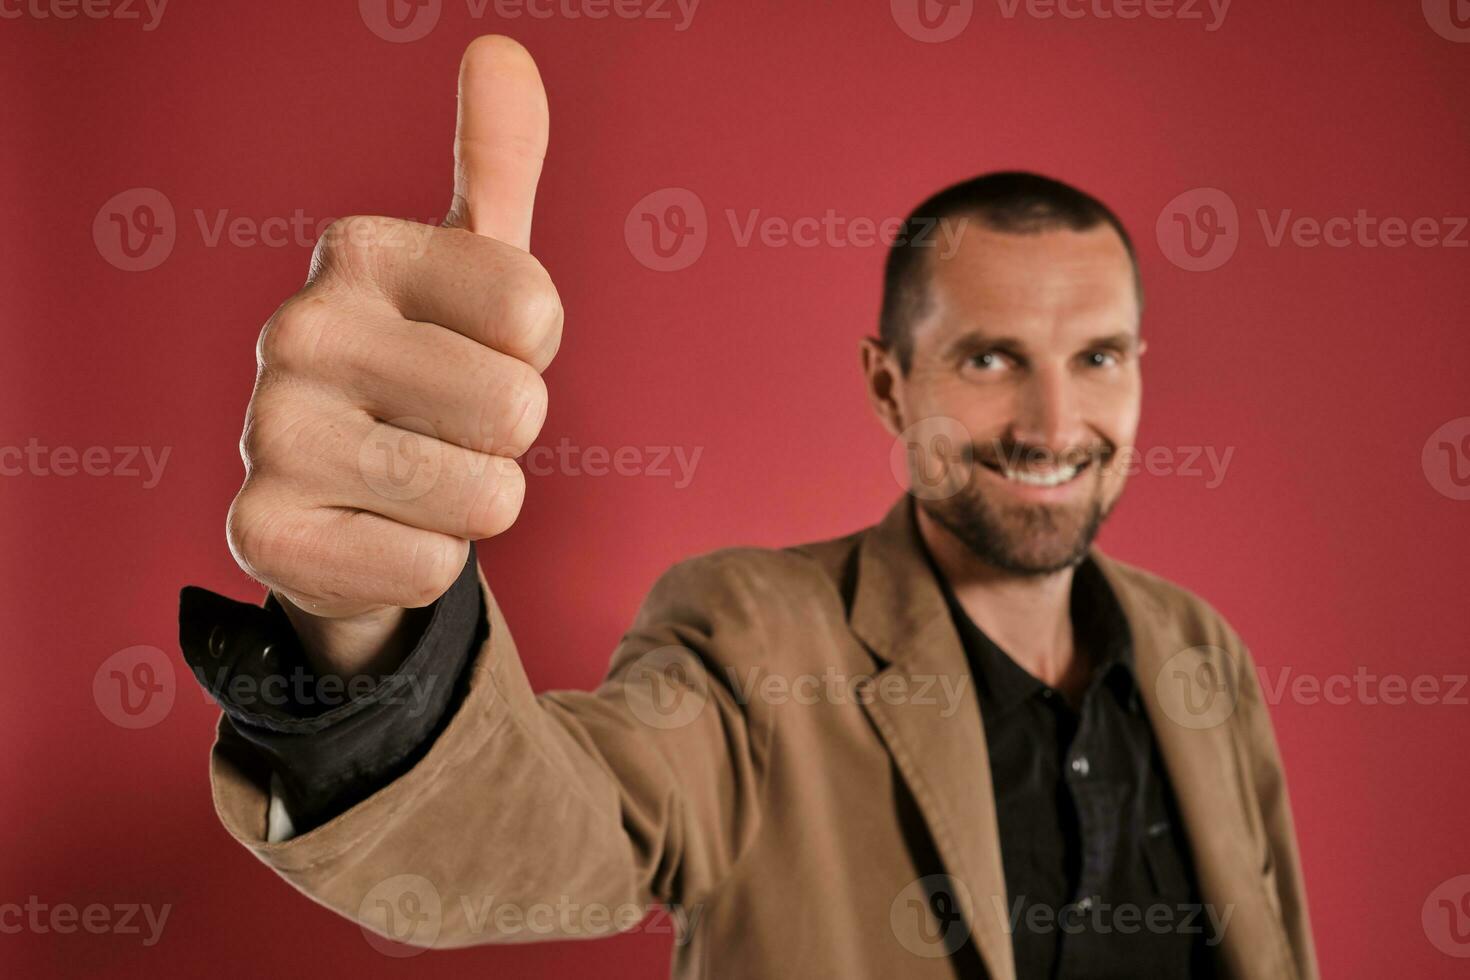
(1029, 342)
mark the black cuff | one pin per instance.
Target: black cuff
(333, 743)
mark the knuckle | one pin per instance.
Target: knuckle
(512, 417)
(493, 500)
(269, 437)
(286, 436)
(259, 538)
(291, 338)
(350, 246)
(532, 314)
(434, 565)
(251, 447)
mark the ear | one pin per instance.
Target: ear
(884, 382)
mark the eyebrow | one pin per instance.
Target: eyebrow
(1125, 340)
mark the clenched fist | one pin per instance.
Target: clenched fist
(396, 389)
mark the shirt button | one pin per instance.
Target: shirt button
(217, 642)
(1081, 766)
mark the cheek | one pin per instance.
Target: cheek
(1113, 412)
(983, 410)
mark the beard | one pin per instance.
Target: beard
(1024, 539)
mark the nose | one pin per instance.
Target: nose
(1048, 414)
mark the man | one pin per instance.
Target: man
(962, 742)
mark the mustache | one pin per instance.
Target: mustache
(1015, 455)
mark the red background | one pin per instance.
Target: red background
(1326, 369)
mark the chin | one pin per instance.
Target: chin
(1034, 540)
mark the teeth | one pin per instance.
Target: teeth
(1051, 478)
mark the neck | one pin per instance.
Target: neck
(1028, 616)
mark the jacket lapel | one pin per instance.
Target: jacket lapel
(1187, 688)
(899, 613)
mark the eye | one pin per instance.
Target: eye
(1100, 358)
(989, 360)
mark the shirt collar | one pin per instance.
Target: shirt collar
(1096, 614)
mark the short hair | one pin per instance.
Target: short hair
(1013, 202)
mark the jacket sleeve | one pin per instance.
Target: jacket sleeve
(553, 816)
(327, 747)
(1269, 783)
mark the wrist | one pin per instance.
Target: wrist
(372, 642)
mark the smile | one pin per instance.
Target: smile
(1052, 476)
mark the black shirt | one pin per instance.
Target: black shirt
(1098, 875)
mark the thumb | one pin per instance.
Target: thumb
(499, 142)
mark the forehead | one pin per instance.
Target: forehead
(1053, 283)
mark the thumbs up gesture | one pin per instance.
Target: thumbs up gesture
(395, 390)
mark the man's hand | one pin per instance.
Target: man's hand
(396, 389)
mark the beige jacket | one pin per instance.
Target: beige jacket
(788, 752)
